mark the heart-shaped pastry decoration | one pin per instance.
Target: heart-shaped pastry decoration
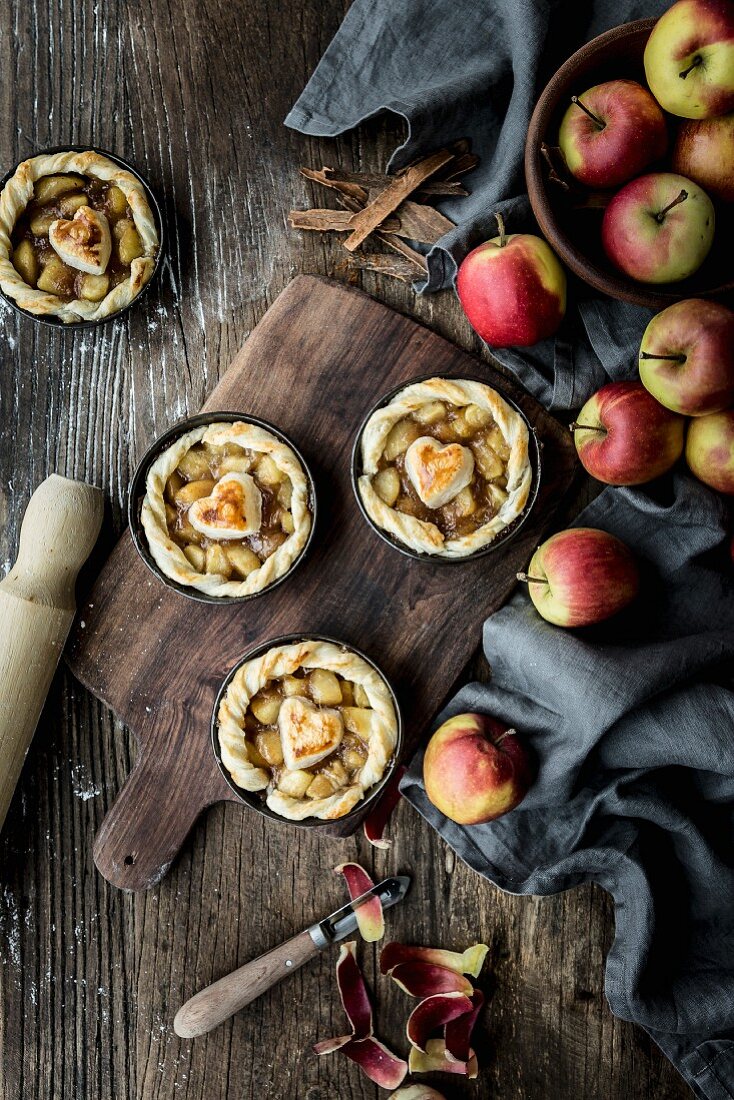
(84, 242)
(438, 471)
(233, 510)
(307, 733)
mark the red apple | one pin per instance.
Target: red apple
(689, 58)
(612, 133)
(710, 450)
(687, 357)
(625, 437)
(476, 769)
(581, 576)
(658, 228)
(512, 289)
(704, 151)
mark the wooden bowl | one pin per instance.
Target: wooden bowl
(575, 233)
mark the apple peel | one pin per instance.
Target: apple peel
(417, 1092)
(433, 1013)
(376, 821)
(369, 915)
(461, 962)
(328, 1046)
(377, 1062)
(353, 992)
(435, 1060)
(459, 1030)
(421, 979)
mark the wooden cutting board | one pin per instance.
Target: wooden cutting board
(318, 360)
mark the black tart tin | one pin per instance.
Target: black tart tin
(137, 493)
(253, 799)
(506, 534)
(56, 322)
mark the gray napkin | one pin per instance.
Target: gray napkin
(474, 68)
(632, 724)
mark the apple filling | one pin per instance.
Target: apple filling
(310, 731)
(445, 466)
(479, 496)
(310, 725)
(210, 512)
(50, 251)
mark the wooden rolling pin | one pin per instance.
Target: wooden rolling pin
(59, 529)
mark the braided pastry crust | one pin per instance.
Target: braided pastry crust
(423, 536)
(254, 675)
(171, 559)
(14, 198)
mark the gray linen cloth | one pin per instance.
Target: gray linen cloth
(474, 68)
(632, 722)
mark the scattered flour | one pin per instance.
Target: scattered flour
(82, 785)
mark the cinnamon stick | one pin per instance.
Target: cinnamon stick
(338, 221)
(368, 219)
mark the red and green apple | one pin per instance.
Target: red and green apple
(658, 228)
(512, 289)
(704, 151)
(476, 769)
(687, 357)
(611, 133)
(689, 58)
(581, 576)
(710, 450)
(624, 436)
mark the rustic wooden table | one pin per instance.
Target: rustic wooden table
(194, 94)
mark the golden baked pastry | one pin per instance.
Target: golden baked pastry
(226, 509)
(78, 239)
(445, 466)
(312, 724)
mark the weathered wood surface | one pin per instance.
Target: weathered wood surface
(194, 94)
(339, 350)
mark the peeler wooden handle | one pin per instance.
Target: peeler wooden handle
(216, 1003)
(59, 529)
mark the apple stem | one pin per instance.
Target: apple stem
(595, 118)
(530, 580)
(676, 202)
(696, 61)
(501, 226)
(576, 427)
(507, 733)
(671, 358)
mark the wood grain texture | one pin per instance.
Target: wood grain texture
(315, 365)
(194, 94)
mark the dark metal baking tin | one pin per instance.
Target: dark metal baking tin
(252, 799)
(56, 322)
(137, 493)
(507, 533)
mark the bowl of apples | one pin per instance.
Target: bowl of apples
(629, 158)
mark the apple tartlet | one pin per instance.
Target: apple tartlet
(311, 725)
(78, 239)
(445, 466)
(227, 509)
